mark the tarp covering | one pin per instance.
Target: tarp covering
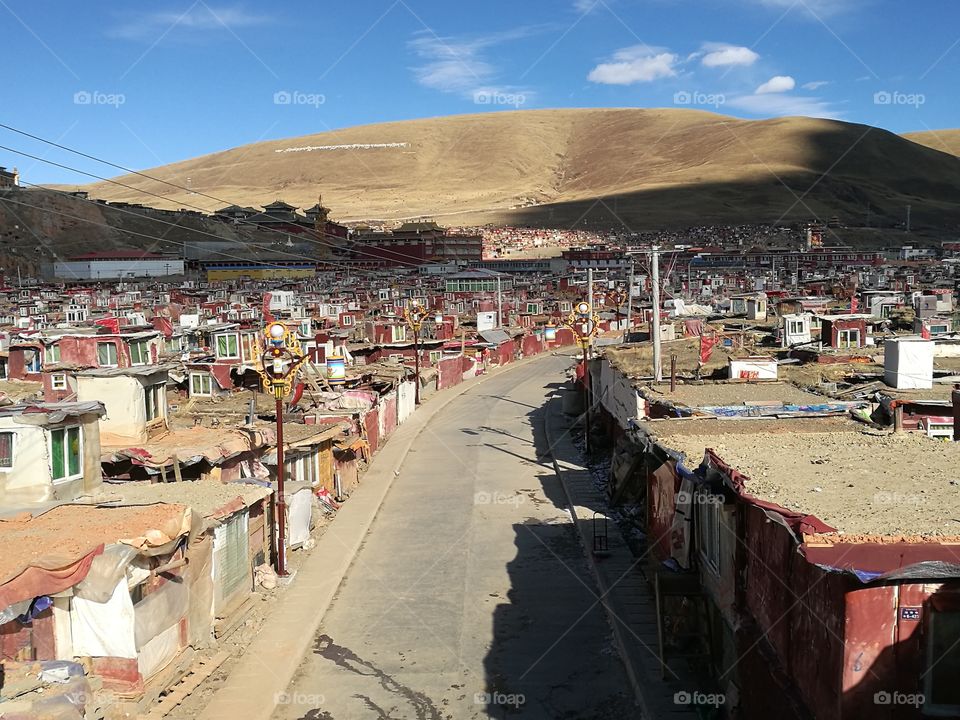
(104, 629)
(299, 517)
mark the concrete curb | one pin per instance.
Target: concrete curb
(257, 683)
(586, 541)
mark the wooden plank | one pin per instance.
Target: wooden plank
(200, 672)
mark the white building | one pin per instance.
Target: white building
(118, 265)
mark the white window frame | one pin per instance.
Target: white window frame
(66, 460)
(795, 327)
(13, 450)
(58, 381)
(201, 376)
(52, 354)
(216, 345)
(347, 320)
(709, 507)
(144, 353)
(34, 365)
(850, 334)
(436, 356)
(116, 355)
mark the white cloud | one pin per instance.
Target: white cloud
(722, 55)
(815, 84)
(814, 7)
(450, 66)
(585, 6)
(199, 18)
(777, 84)
(780, 104)
(459, 65)
(636, 64)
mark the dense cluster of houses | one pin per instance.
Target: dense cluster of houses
(794, 475)
(138, 455)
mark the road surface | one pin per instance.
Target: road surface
(471, 596)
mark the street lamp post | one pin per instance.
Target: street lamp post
(585, 324)
(414, 313)
(278, 366)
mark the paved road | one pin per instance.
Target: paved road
(470, 597)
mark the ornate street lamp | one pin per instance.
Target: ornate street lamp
(279, 362)
(414, 313)
(585, 324)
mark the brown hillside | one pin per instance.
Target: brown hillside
(947, 141)
(649, 168)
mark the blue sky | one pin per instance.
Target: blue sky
(147, 84)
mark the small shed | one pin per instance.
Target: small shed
(908, 363)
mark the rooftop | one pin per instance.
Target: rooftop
(857, 481)
(711, 394)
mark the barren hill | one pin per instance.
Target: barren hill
(601, 168)
(947, 141)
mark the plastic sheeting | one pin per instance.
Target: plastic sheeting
(299, 518)
(104, 629)
(199, 576)
(161, 609)
(106, 571)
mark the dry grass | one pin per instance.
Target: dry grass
(547, 165)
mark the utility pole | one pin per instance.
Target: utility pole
(499, 303)
(655, 324)
(908, 218)
(626, 330)
(590, 288)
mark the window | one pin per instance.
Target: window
(6, 450)
(139, 352)
(31, 361)
(795, 327)
(58, 381)
(154, 400)
(65, 453)
(347, 320)
(107, 354)
(940, 689)
(435, 356)
(53, 354)
(228, 346)
(708, 508)
(199, 384)
(533, 308)
(848, 338)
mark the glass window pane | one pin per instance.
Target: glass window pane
(56, 454)
(6, 449)
(73, 450)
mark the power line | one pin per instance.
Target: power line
(155, 179)
(144, 235)
(182, 227)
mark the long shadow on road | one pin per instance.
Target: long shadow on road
(552, 654)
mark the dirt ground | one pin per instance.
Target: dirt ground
(858, 482)
(734, 394)
(264, 601)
